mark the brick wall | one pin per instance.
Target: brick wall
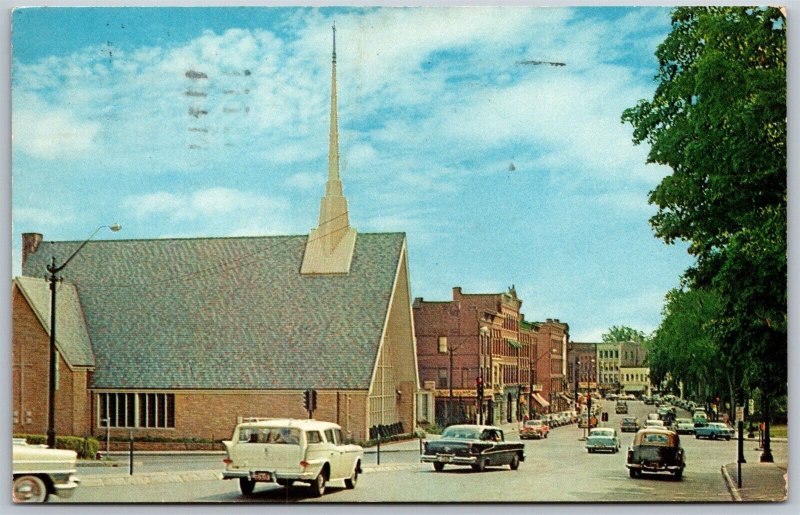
(31, 344)
(213, 415)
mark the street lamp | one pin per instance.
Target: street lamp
(54, 269)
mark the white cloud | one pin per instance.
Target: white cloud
(50, 132)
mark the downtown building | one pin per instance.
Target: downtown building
(181, 338)
(484, 337)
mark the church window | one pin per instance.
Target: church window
(155, 410)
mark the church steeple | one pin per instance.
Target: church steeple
(330, 245)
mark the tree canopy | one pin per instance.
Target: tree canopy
(623, 334)
(718, 120)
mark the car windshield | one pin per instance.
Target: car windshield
(534, 423)
(601, 432)
(683, 421)
(629, 420)
(464, 433)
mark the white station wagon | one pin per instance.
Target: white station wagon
(284, 450)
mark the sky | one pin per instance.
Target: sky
(181, 122)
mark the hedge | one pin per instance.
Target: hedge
(85, 447)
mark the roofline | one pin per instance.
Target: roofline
(189, 238)
(40, 318)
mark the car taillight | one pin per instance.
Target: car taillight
(227, 461)
(304, 464)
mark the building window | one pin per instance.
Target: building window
(443, 344)
(137, 410)
(442, 378)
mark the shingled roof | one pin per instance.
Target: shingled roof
(72, 338)
(228, 313)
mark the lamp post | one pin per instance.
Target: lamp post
(54, 269)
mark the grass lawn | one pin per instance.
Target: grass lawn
(779, 430)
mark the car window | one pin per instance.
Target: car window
(330, 435)
(313, 437)
(274, 435)
(460, 432)
(655, 438)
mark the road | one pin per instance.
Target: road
(557, 469)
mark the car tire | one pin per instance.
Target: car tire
(29, 489)
(479, 466)
(438, 467)
(351, 481)
(514, 462)
(679, 475)
(633, 473)
(246, 485)
(318, 485)
(697, 436)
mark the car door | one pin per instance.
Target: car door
(337, 453)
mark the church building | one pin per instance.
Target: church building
(182, 337)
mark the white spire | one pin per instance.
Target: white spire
(330, 246)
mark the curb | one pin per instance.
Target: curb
(730, 484)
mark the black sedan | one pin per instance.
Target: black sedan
(473, 445)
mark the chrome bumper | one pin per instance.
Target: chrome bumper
(448, 458)
(66, 489)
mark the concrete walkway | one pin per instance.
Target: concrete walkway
(761, 482)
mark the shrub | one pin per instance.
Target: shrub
(85, 447)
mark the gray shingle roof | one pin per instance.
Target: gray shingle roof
(72, 338)
(223, 313)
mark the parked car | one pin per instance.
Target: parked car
(621, 407)
(602, 439)
(473, 445)
(647, 399)
(39, 472)
(656, 450)
(629, 424)
(535, 428)
(283, 451)
(699, 417)
(684, 426)
(714, 430)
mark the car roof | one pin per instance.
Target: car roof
(473, 426)
(299, 423)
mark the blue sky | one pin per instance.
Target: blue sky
(434, 107)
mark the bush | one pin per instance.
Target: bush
(85, 447)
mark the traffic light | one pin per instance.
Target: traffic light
(313, 400)
(479, 383)
(307, 400)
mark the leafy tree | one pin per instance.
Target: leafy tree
(623, 334)
(718, 120)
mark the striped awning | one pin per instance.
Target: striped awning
(543, 403)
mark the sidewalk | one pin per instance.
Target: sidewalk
(761, 482)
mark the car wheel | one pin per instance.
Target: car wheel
(318, 485)
(728, 438)
(633, 473)
(246, 485)
(679, 475)
(438, 467)
(514, 462)
(29, 489)
(697, 436)
(479, 466)
(350, 482)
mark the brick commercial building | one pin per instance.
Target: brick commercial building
(485, 336)
(582, 366)
(180, 337)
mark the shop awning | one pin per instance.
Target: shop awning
(543, 403)
(566, 397)
(514, 343)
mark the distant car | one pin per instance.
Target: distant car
(535, 428)
(684, 426)
(656, 450)
(629, 424)
(654, 423)
(647, 400)
(714, 430)
(473, 445)
(621, 407)
(700, 418)
(652, 416)
(602, 439)
(38, 472)
(283, 451)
